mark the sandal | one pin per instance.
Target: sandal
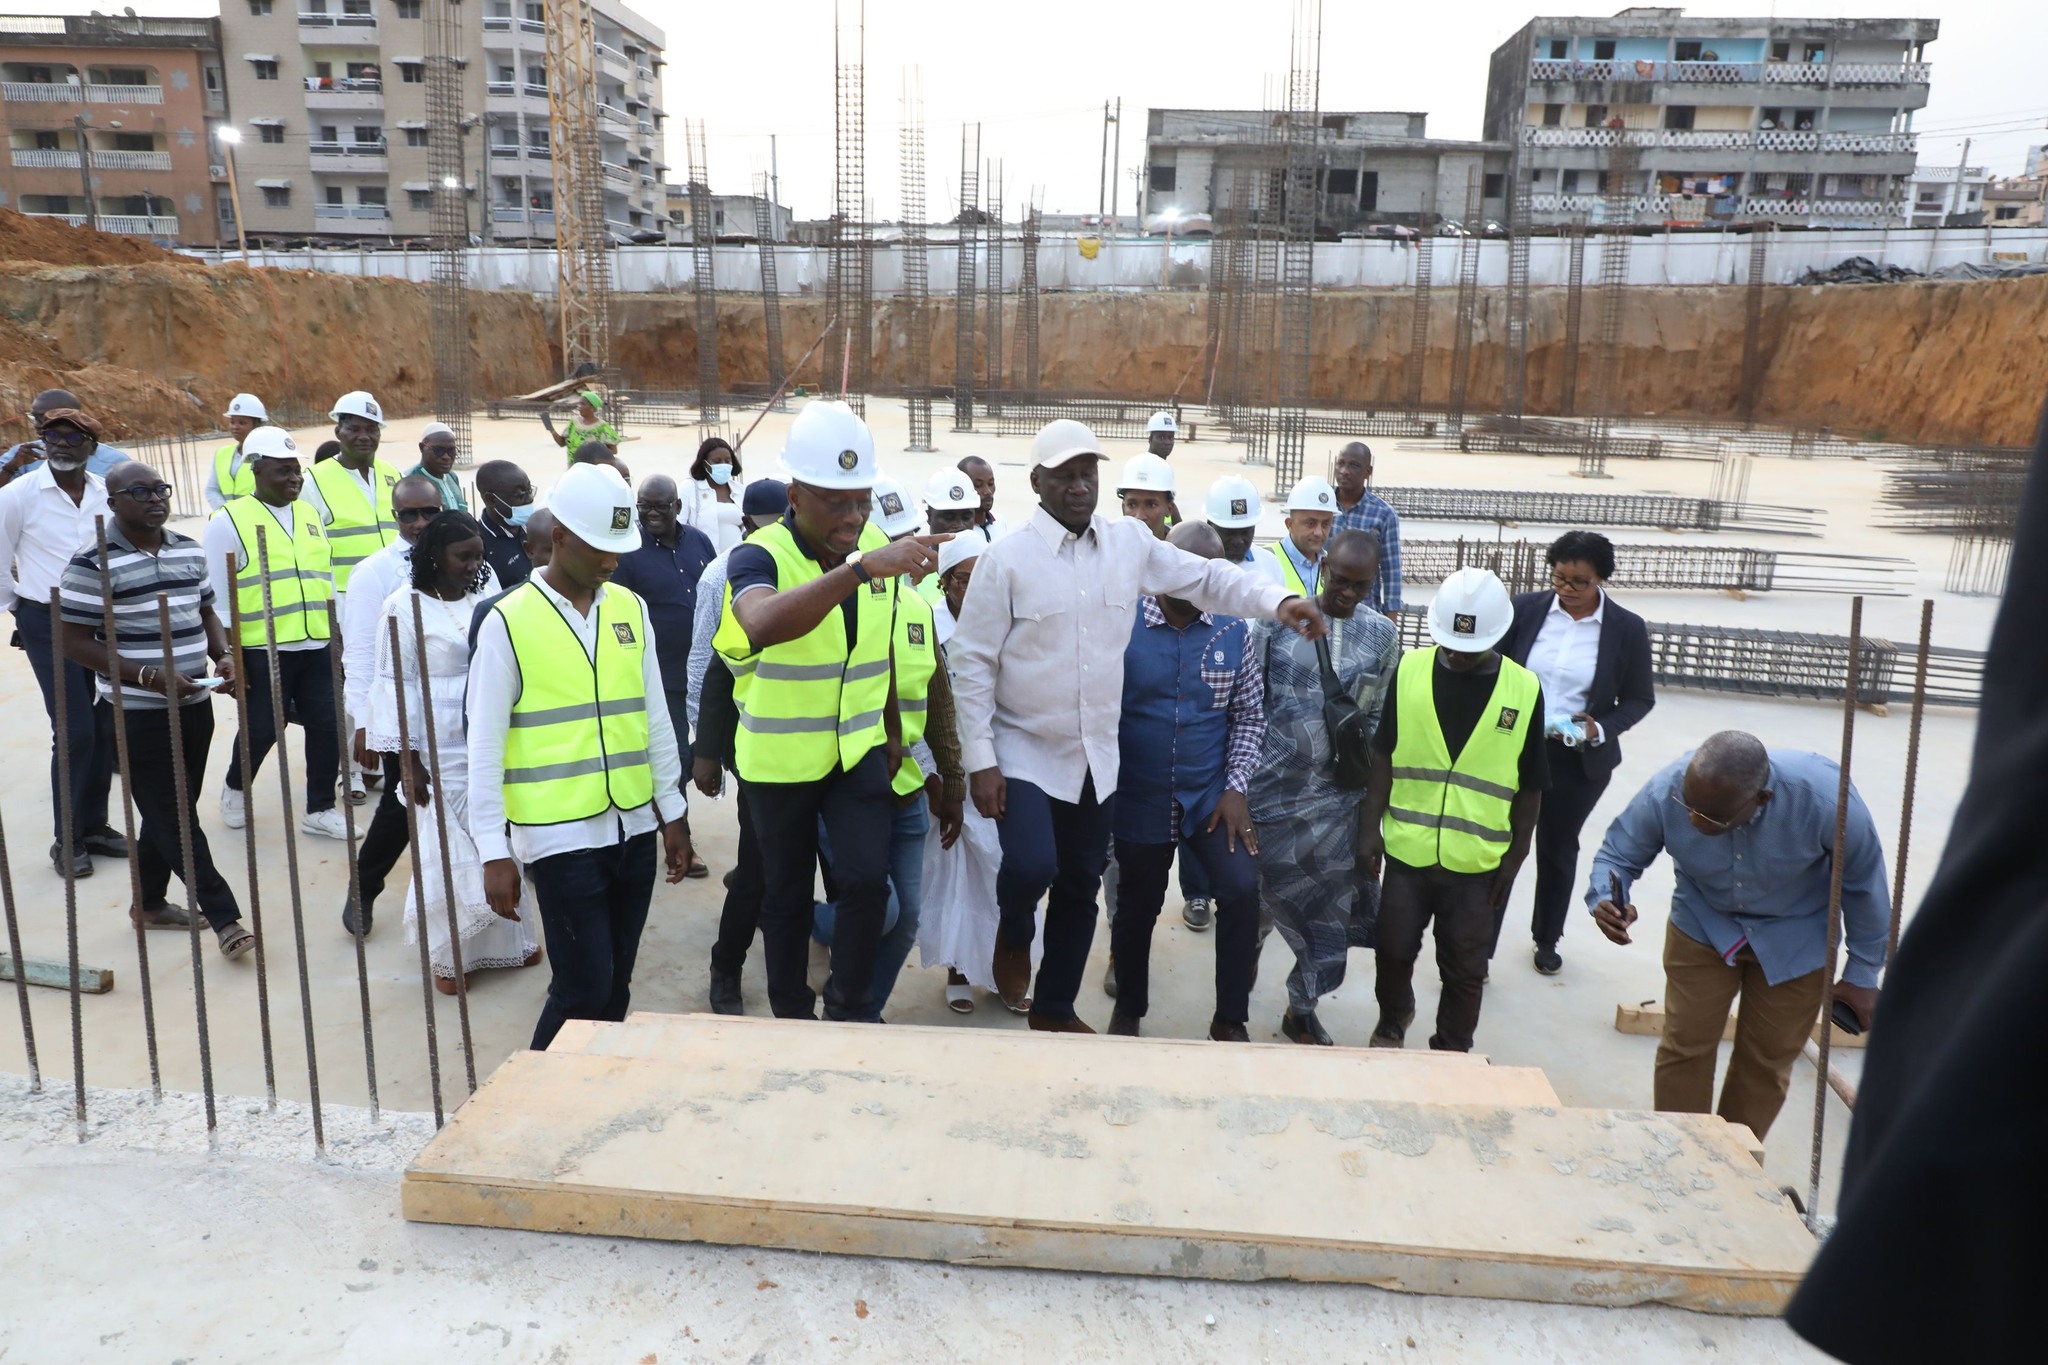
(698, 870)
(235, 940)
(960, 997)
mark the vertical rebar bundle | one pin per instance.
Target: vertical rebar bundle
(853, 301)
(1027, 299)
(1574, 315)
(917, 283)
(771, 291)
(1514, 389)
(448, 303)
(1418, 317)
(703, 287)
(966, 235)
(1468, 299)
(1293, 355)
(992, 287)
(1265, 208)
(1615, 241)
(1753, 324)
(582, 250)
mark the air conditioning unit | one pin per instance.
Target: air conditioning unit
(217, 172)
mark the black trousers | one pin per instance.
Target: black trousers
(858, 813)
(593, 907)
(1232, 879)
(153, 787)
(1410, 898)
(307, 679)
(1566, 805)
(92, 768)
(386, 838)
(741, 916)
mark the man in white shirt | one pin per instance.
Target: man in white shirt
(1037, 666)
(592, 869)
(46, 517)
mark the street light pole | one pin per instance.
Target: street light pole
(228, 138)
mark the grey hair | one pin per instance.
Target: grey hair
(1733, 758)
(1197, 538)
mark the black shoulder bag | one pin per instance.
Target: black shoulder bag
(1350, 734)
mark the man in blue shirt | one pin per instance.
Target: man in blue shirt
(1751, 832)
(1360, 509)
(82, 432)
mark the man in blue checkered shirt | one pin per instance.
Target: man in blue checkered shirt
(1358, 509)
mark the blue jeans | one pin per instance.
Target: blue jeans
(1056, 847)
(899, 921)
(92, 763)
(593, 905)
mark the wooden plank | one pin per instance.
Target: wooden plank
(1647, 1018)
(39, 971)
(870, 1141)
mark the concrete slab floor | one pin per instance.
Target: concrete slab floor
(1563, 1024)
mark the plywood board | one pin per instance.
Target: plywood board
(863, 1140)
(1648, 1019)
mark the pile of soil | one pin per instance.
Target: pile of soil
(51, 241)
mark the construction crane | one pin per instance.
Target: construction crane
(582, 251)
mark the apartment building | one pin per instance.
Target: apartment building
(1372, 167)
(1794, 121)
(108, 122)
(734, 217)
(330, 100)
(1948, 196)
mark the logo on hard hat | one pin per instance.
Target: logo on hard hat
(1239, 507)
(956, 492)
(917, 632)
(1465, 624)
(291, 445)
(622, 517)
(892, 506)
(848, 459)
(624, 631)
(1508, 716)
(376, 414)
(1323, 498)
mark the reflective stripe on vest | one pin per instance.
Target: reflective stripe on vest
(234, 483)
(1455, 815)
(299, 579)
(810, 706)
(577, 745)
(917, 658)
(357, 528)
(1289, 575)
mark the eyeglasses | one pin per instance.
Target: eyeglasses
(419, 513)
(145, 492)
(1720, 826)
(438, 450)
(1574, 584)
(672, 505)
(65, 437)
(844, 507)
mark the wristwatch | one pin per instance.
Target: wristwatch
(853, 563)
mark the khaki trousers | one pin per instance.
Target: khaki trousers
(1775, 1022)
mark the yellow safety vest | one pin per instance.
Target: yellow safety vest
(357, 527)
(917, 658)
(301, 584)
(1288, 573)
(811, 705)
(1455, 815)
(234, 483)
(577, 745)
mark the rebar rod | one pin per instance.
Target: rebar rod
(28, 1023)
(419, 881)
(1912, 777)
(440, 799)
(354, 901)
(67, 841)
(1835, 876)
(184, 781)
(245, 746)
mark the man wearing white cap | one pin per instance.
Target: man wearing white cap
(437, 462)
(1161, 430)
(1296, 560)
(1233, 509)
(352, 491)
(950, 504)
(573, 763)
(1038, 674)
(1452, 805)
(1146, 489)
(228, 476)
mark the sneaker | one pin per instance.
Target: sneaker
(1196, 913)
(234, 808)
(1548, 961)
(325, 822)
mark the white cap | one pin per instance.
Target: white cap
(248, 405)
(1161, 420)
(950, 491)
(433, 429)
(1061, 440)
(1313, 494)
(1471, 612)
(357, 403)
(829, 446)
(592, 502)
(959, 550)
(270, 443)
(892, 512)
(1233, 503)
(1146, 473)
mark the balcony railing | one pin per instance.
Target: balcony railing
(610, 53)
(364, 211)
(344, 85)
(533, 26)
(128, 224)
(535, 90)
(611, 115)
(54, 158)
(534, 153)
(505, 150)
(132, 161)
(324, 20)
(497, 23)
(63, 92)
(502, 87)
(345, 148)
(1735, 73)
(1713, 139)
(619, 174)
(44, 159)
(124, 94)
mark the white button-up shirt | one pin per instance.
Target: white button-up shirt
(494, 686)
(362, 611)
(1563, 657)
(1038, 657)
(41, 528)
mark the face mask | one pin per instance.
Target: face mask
(519, 516)
(720, 474)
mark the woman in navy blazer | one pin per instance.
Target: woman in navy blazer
(1592, 656)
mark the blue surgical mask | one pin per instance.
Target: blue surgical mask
(520, 515)
(720, 474)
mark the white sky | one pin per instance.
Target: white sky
(1035, 75)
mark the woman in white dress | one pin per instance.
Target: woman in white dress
(448, 576)
(711, 495)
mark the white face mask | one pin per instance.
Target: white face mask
(720, 474)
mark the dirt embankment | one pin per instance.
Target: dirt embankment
(1963, 362)
(157, 343)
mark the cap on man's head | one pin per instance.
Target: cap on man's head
(1062, 440)
(433, 429)
(765, 498)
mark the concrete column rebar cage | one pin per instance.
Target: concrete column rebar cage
(1618, 211)
(703, 285)
(966, 233)
(1574, 316)
(1514, 397)
(850, 360)
(1468, 300)
(582, 250)
(992, 288)
(1293, 344)
(449, 218)
(917, 290)
(1027, 302)
(771, 291)
(1418, 313)
(1751, 389)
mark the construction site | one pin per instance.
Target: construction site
(1812, 490)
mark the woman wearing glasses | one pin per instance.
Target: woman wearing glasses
(1592, 656)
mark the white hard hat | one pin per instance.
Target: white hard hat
(892, 512)
(950, 491)
(1471, 612)
(829, 446)
(248, 405)
(1233, 503)
(1313, 494)
(1061, 440)
(593, 503)
(1161, 420)
(1146, 473)
(270, 443)
(958, 551)
(357, 403)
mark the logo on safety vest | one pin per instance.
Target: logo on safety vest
(624, 630)
(1508, 716)
(622, 517)
(1464, 624)
(917, 632)
(1239, 507)
(848, 459)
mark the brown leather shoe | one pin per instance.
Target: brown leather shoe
(160, 915)
(1122, 1025)
(1046, 1023)
(1222, 1031)
(1012, 967)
